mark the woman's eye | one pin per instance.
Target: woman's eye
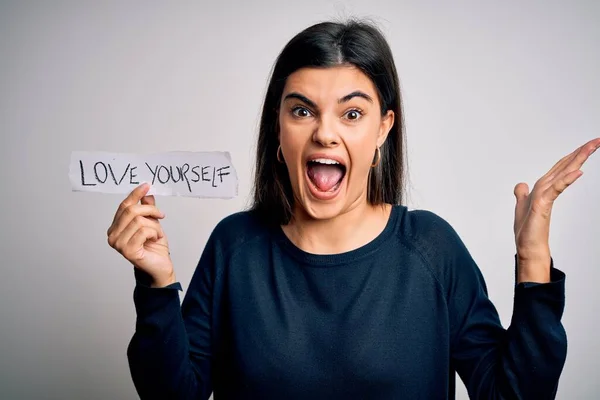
(301, 112)
(353, 115)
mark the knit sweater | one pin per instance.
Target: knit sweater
(393, 319)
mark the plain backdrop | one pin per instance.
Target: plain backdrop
(495, 93)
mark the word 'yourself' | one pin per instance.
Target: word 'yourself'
(160, 173)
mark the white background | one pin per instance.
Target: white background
(495, 93)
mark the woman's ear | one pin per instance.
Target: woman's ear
(387, 121)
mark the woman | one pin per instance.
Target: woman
(328, 287)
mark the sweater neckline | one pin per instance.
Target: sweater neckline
(344, 258)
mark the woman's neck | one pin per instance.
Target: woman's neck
(347, 231)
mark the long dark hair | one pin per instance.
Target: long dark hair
(324, 45)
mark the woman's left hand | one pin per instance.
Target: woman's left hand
(533, 210)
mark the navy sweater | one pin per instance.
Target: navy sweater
(394, 319)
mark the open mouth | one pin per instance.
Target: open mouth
(325, 174)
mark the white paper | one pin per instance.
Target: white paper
(175, 173)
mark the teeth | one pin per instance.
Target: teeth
(325, 161)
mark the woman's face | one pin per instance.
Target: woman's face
(330, 127)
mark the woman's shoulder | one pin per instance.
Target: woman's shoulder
(238, 228)
(430, 233)
(433, 240)
(420, 223)
(245, 218)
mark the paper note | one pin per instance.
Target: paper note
(176, 173)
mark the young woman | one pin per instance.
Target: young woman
(328, 287)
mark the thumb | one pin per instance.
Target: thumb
(521, 191)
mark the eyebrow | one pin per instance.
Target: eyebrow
(356, 93)
(346, 98)
(302, 98)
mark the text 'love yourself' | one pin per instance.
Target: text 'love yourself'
(162, 174)
(195, 174)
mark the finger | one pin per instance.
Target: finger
(130, 213)
(575, 163)
(134, 197)
(148, 200)
(134, 224)
(561, 184)
(121, 239)
(596, 146)
(561, 163)
(586, 151)
(136, 243)
(574, 160)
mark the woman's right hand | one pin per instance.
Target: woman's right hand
(136, 233)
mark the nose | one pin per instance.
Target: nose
(325, 133)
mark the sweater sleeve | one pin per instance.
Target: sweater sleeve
(522, 362)
(170, 352)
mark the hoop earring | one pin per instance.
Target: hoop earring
(376, 163)
(278, 157)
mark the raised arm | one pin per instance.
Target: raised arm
(170, 352)
(523, 362)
